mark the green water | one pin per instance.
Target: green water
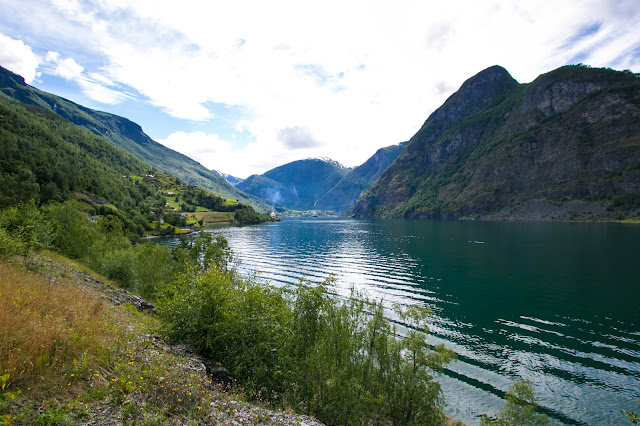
(556, 303)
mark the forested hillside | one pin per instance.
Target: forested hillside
(124, 134)
(47, 158)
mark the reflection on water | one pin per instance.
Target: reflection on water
(553, 303)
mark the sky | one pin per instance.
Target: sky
(245, 86)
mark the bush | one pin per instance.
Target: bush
(75, 235)
(337, 360)
(120, 266)
(23, 229)
(520, 408)
(154, 268)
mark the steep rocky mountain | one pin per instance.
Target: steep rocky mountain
(573, 133)
(342, 196)
(296, 185)
(126, 135)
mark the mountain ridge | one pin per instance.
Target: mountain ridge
(346, 192)
(296, 185)
(125, 134)
(571, 133)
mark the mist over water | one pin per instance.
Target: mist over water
(555, 303)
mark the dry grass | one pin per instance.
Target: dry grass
(75, 359)
(46, 325)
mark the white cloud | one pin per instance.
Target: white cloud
(68, 69)
(297, 137)
(98, 92)
(92, 84)
(216, 153)
(355, 75)
(18, 57)
(207, 149)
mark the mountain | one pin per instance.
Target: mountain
(296, 185)
(494, 145)
(44, 157)
(126, 135)
(231, 179)
(47, 158)
(346, 192)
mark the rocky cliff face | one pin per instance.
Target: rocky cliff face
(572, 133)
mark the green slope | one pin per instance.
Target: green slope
(49, 159)
(126, 135)
(573, 133)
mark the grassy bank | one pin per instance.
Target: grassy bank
(68, 356)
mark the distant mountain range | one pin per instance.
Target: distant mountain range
(496, 145)
(296, 185)
(319, 183)
(231, 179)
(345, 193)
(127, 135)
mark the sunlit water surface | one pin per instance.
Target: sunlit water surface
(555, 303)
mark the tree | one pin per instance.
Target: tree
(18, 187)
(23, 229)
(154, 267)
(520, 409)
(75, 235)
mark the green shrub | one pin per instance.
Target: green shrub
(154, 268)
(338, 360)
(23, 229)
(120, 266)
(520, 409)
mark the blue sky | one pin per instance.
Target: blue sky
(245, 86)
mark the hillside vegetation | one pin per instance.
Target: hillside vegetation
(127, 135)
(573, 133)
(46, 158)
(299, 348)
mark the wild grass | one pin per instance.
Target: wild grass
(46, 326)
(67, 357)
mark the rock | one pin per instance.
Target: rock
(218, 374)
